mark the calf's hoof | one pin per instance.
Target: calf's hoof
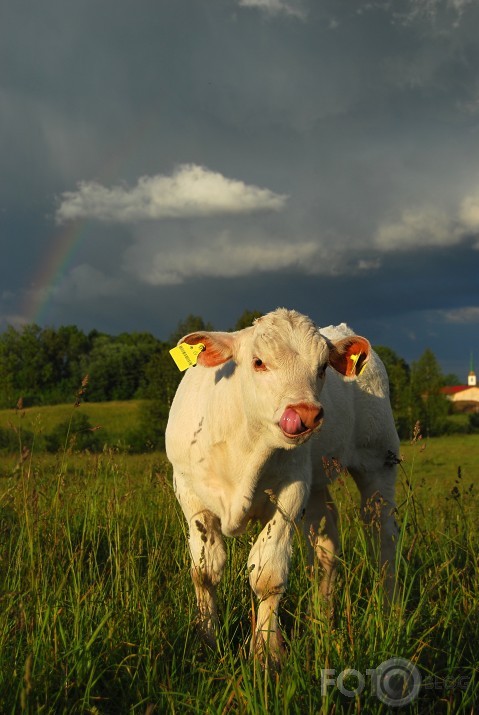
(269, 651)
(207, 633)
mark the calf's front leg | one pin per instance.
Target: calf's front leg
(268, 566)
(208, 558)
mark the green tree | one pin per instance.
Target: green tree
(46, 366)
(427, 403)
(162, 378)
(399, 389)
(246, 319)
(191, 324)
(31, 371)
(62, 351)
(41, 365)
(116, 366)
(23, 364)
(451, 379)
(9, 367)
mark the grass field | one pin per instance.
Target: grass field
(114, 419)
(97, 611)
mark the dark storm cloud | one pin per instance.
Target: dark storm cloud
(364, 115)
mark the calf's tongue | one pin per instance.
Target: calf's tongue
(291, 423)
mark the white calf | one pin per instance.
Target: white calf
(238, 438)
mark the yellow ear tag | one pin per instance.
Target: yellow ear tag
(186, 355)
(354, 359)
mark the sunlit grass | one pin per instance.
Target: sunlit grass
(114, 417)
(97, 611)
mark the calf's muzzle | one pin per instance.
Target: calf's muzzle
(301, 418)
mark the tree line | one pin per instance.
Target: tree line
(46, 366)
(416, 397)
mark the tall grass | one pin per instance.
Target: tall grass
(97, 611)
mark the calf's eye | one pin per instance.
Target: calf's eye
(259, 364)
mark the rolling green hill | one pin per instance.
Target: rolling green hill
(115, 419)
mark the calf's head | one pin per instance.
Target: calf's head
(279, 367)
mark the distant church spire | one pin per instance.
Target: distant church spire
(471, 378)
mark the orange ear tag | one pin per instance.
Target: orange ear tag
(354, 359)
(186, 355)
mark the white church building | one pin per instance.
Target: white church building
(464, 397)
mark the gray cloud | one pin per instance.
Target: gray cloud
(274, 7)
(86, 282)
(469, 212)
(466, 314)
(431, 226)
(221, 256)
(427, 226)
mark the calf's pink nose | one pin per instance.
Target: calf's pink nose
(300, 418)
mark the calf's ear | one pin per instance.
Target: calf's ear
(218, 347)
(350, 355)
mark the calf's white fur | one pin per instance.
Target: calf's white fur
(251, 431)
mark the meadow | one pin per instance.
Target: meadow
(97, 610)
(113, 420)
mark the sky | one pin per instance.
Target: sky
(161, 158)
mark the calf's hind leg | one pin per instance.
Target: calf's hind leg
(321, 533)
(378, 503)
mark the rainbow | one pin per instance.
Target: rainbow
(50, 272)
(66, 241)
